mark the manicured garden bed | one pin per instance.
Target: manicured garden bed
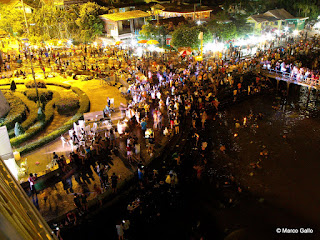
(17, 112)
(32, 115)
(84, 107)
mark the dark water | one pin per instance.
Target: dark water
(274, 159)
(282, 192)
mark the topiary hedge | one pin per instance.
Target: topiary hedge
(39, 126)
(32, 112)
(43, 93)
(59, 84)
(66, 106)
(17, 111)
(31, 84)
(84, 107)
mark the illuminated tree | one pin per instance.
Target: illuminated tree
(187, 36)
(11, 20)
(89, 23)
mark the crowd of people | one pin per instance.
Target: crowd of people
(166, 92)
(299, 60)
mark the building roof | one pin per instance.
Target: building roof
(175, 21)
(279, 14)
(272, 15)
(125, 15)
(185, 8)
(262, 18)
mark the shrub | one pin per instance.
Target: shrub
(84, 107)
(17, 111)
(13, 86)
(43, 94)
(32, 112)
(31, 84)
(60, 84)
(67, 106)
(39, 126)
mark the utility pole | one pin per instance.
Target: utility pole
(28, 48)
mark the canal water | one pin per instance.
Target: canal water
(267, 177)
(272, 154)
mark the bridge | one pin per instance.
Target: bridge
(289, 78)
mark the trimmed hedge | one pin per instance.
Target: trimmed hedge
(39, 126)
(31, 84)
(66, 106)
(17, 111)
(43, 93)
(59, 84)
(84, 107)
(32, 109)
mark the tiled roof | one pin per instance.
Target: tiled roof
(263, 18)
(280, 14)
(272, 15)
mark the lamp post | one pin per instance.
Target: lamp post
(27, 48)
(200, 37)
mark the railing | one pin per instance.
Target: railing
(289, 77)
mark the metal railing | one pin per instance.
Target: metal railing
(293, 78)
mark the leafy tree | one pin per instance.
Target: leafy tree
(89, 23)
(236, 28)
(187, 36)
(157, 32)
(306, 8)
(45, 23)
(148, 31)
(11, 20)
(70, 16)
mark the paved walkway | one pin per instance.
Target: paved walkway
(38, 160)
(59, 201)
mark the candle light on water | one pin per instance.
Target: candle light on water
(245, 121)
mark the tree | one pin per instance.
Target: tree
(148, 31)
(187, 36)
(11, 20)
(231, 29)
(306, 8)
(157, 32)
(89, 23)
(13, 86)
(45, 23)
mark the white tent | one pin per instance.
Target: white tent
(4, 105)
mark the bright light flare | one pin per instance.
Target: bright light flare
(213, 47)
(295, 32)
(134, 43)
(139, 51)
